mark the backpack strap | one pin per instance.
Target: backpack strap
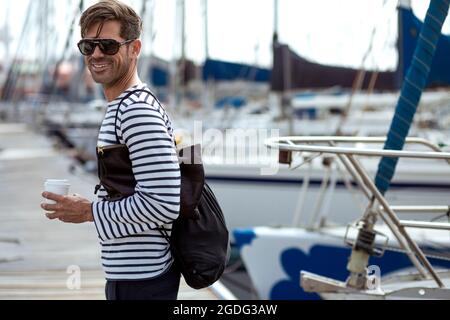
(129, 94)
(171, 247)
(161, 230)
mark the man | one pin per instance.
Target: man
(136, 257)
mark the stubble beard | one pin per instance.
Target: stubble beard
(111, 75)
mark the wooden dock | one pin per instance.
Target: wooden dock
(38, 256)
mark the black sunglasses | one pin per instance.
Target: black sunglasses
(109, 47)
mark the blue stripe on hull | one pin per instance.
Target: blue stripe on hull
(330, 262)
(245, 180)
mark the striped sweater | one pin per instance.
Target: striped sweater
(131, 247)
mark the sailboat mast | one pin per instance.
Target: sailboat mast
(177, 69)
(182, 63)
(6, 35)
(145, 64)
(183, 29)
(44, 31)
(207, 85)
(205, 25)
(276, 98)
(275, 21)
(282, 100)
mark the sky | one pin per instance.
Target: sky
(324, 31)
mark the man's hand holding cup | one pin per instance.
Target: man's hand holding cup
(59, 205)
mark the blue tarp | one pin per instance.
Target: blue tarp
(235, 102)
(228, 71)
(216, 70)
(159, 76)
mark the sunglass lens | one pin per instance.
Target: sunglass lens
(109, 47)
(87, 47)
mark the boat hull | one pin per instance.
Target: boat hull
(274, 258)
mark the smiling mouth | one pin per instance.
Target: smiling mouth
(98, 67)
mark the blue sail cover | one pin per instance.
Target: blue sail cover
(410, 27)
(416, 80)
(159, 76)
(228, 71)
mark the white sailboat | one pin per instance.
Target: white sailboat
(275, 257)
(316, 256)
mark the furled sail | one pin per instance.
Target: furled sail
(291, 71)
(415, 82)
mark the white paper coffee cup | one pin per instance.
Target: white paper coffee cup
(59, 187)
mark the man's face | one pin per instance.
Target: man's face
(105, 69)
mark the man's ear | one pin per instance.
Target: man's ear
(136, 47)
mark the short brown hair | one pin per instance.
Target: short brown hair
(110, 10)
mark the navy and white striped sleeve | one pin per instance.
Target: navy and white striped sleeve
(156, 201)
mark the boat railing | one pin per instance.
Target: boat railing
(326, 190)
(287, 146)
(304, 144)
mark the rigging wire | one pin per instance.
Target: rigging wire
(48, 36)
(360, 77)
(67, 46)
(14, 72)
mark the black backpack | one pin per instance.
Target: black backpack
(201, 246)
(199, 241)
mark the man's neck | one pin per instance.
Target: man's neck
(111, 93)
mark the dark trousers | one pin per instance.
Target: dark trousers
(164, 287)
